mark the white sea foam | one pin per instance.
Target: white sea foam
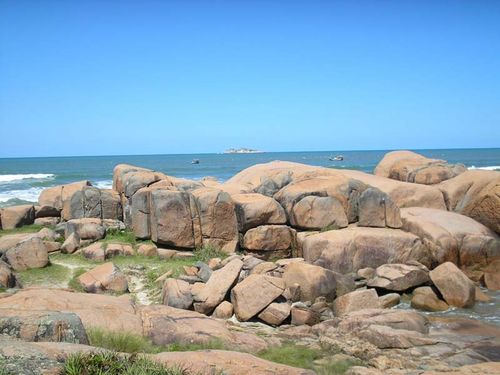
(17, 177)
(488, 168)
(106, 184)
(29, 195)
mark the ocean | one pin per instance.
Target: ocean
(22, 179)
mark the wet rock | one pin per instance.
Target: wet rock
(456, 288)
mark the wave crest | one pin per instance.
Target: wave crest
(18, 177)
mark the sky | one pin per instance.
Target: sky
(160, 77)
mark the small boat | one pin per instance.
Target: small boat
(336, 158)
(195, 161)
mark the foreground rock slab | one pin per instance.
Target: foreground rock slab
(208, 362)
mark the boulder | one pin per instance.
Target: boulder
(376, 209)
(7, 277)
(275, 313)
(167, 325)
(425, 299)
(314, 281)
(456, 288)
(217, 216)
(217, 287)
(230, 363)
(86, 228)
(253, 210)
(52, 198)
(111, 313)
(71, 243)
(111, 205)
(343, 192)
(223, 311)
(357, 300)
(254, 294)
(452, 237)
(174, 219)
(351, 249)
(147, 249)
(491, 276)
(29, 253)
(128, 179)
(47, 221)
(389, 300)
(409, 166)
(270, 240)
(476, 194)
(43, 326)
(177, 293)
(399, 277)
(96, 251)
(403, 194)
(17, 216)
(46, 212)
(116, 249)
(104, 278)
(384, 337)
(304, 316)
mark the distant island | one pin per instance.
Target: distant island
(243, 150)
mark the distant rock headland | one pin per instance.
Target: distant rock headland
(242, 151)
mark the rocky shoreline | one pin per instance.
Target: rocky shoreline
(292, 253)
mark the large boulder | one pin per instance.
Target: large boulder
(86, 228)
(217, 287)
(424, 298)
(127, 179)
(217, 216)
(314, 281)
(475, 193)
(95, 310)
(29, 253)
(348, 250)
(270, 240)
(275, 313)
(177, 293)
(168, 325)
(403, 194)
(409, 166)
(399, 277)
(91, 202)
(339, 210)
(452, 237)
(255, 209)
(455, 287)
(17, 216)
(7, 277)
(103, 278)
(51, 199)
(174, 219)
(254, 294)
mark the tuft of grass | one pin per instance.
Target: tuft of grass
(111, 363)
(74, 283)
(300, 356)
(54, 274)
(120, 236)
(205, 253)
(33, 228)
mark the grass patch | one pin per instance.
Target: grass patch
(54, 274)
(127, 342)
(115, 364)
(33, 228)
(304, 357)
(205, 253)
(74, 283)
(120, 236)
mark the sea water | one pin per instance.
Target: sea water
(22, 179)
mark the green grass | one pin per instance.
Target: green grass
(33, 228)
(304, 357)
(53, 274)
(110, 363)
(120, 236)
(208, 252)
(127, 342)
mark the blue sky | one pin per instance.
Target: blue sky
(146, 77)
